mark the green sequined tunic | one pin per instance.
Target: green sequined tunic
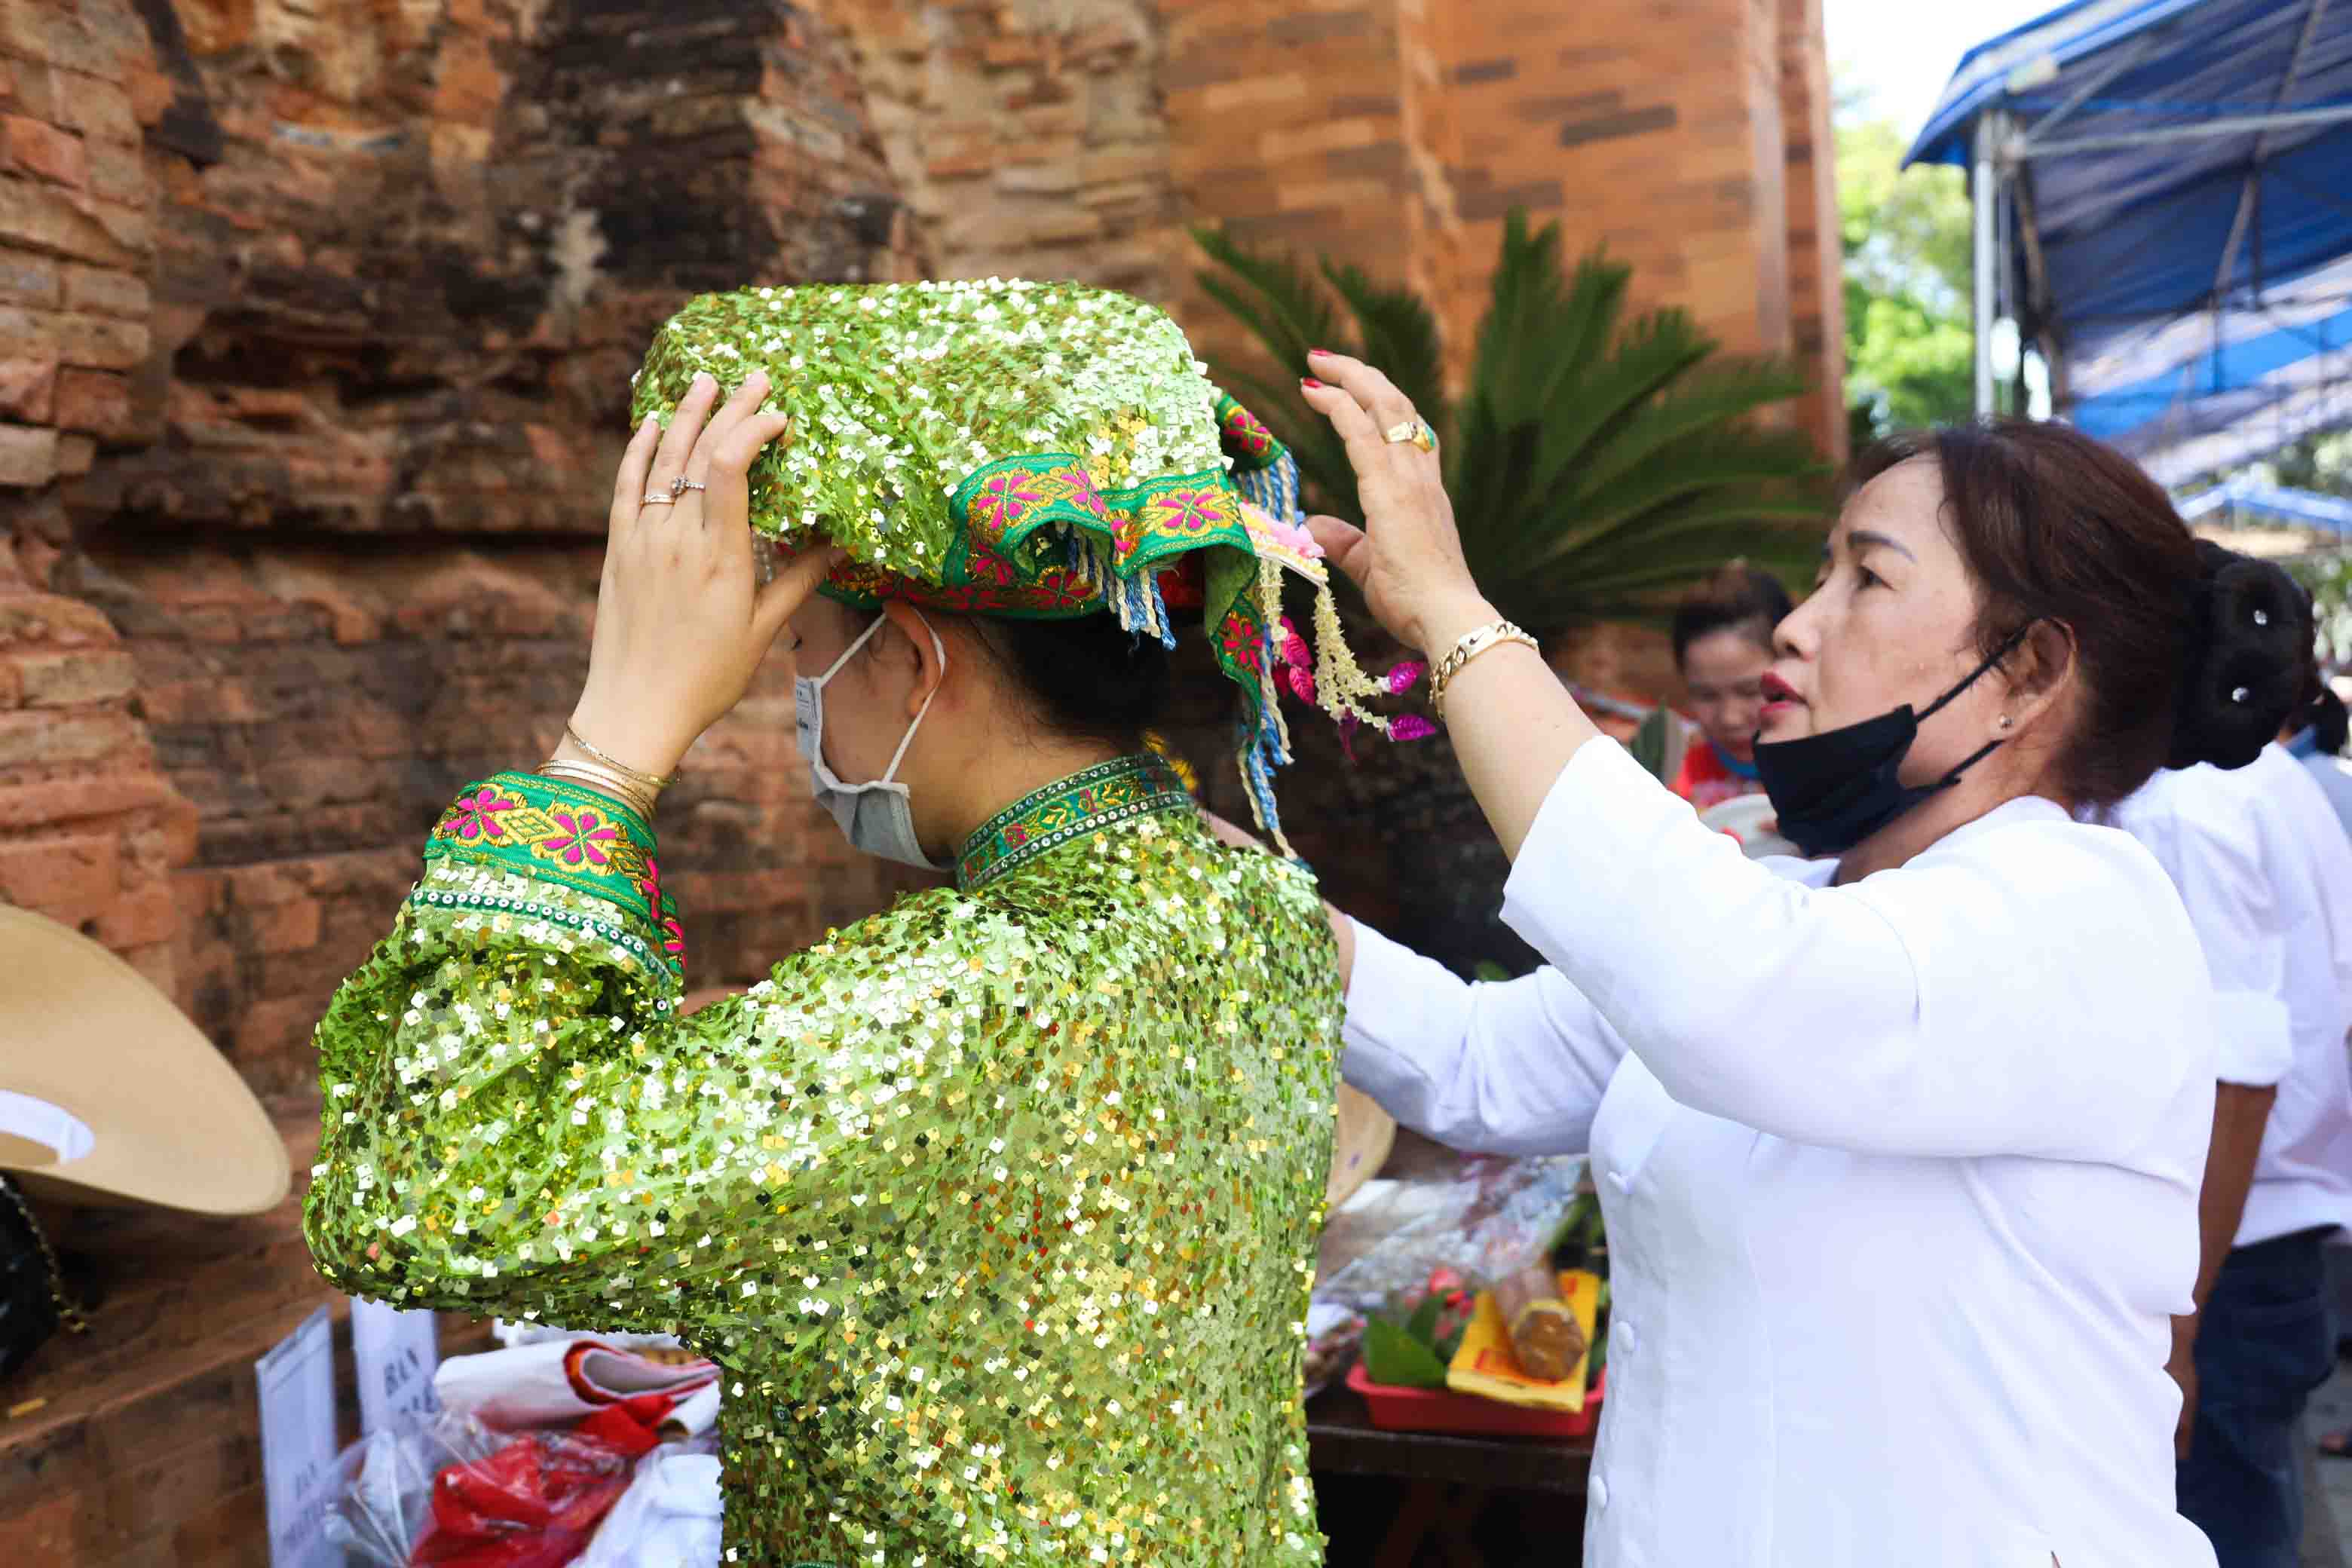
(999, 1208)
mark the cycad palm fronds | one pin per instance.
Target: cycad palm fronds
(1596, 466)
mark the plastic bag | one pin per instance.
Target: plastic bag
(384, 1501)
(448, 1491)
(1484, 1215)
(669, 1519)
(534, 1503)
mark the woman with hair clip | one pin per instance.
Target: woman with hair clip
(999, 1209)
(2265, 873)
(1722, 638)
(1900, 1148)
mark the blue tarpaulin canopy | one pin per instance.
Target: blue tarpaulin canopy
(2247, 497)
(2164, 205)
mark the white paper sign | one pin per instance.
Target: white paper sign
(297, 1380)
(396, 1352)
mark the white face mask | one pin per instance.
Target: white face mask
(877, 817)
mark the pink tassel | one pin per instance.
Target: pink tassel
(1402, 678)
(1410, 727)
(1294, 651)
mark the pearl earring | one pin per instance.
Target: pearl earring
(2005, 720)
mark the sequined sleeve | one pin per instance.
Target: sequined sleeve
(517, 1121)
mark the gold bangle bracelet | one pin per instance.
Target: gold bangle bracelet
(654, 782)
(1494, 634)
(603, 780)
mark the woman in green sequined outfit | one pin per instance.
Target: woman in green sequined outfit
(999, 1208)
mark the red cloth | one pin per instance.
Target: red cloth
(536, 1503)
(1703, 781)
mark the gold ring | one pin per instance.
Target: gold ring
(653, 500)
(1414, 431)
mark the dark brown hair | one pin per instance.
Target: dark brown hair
(2184, 652)
(1737, 595)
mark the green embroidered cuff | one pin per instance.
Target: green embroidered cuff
(552, 831)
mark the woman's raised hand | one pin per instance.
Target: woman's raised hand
(682, 622)
(1407, 557)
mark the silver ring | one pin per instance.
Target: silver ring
(680, 486)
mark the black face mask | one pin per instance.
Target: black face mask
(1835, 789)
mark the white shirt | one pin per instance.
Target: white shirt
(1900, 1177)
(2266, 872)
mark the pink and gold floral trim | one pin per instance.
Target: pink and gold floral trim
(550, 830)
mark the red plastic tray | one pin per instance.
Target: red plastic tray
(1443, 1410)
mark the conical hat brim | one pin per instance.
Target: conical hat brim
(1360, 1147)
(174, 1124)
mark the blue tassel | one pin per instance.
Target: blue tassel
(1273, 490)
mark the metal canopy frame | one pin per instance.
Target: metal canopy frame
(2138, 51)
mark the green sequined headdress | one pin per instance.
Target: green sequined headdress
(1038, 450)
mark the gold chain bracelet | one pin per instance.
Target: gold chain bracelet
(630, 793)
(1494, 634)
(653, 782)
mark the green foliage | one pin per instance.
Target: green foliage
(1649, 744)
(2320, 462)
(1909, 241)
(2329, 579)
(1393, 1355)
(1597, 464)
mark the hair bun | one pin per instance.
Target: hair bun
(2248, 642)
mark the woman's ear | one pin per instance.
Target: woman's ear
(2042, 668)
(922, 647)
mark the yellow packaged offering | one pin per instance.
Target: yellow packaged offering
(1484, 1364)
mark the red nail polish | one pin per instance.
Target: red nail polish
(1312, 353)
(1308, 381)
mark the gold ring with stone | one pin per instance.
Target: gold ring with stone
(1415, 431)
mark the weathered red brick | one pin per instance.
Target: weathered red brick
(44, 149)
(99, 108)
(151, 91)
(78, 337)
(279, 1028)
(199, 702)
(72, 879)
(268, 885)
(95, 401)
(63, 679)
(59, 802)
(28, 387)
(29, 737)
(28, 619)
(118, 170)
(87, 38)
(28, 457)
(27, 279)
(105, 292)
(140, 917)
(284, 927)
(45, 218)
(76, 454)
